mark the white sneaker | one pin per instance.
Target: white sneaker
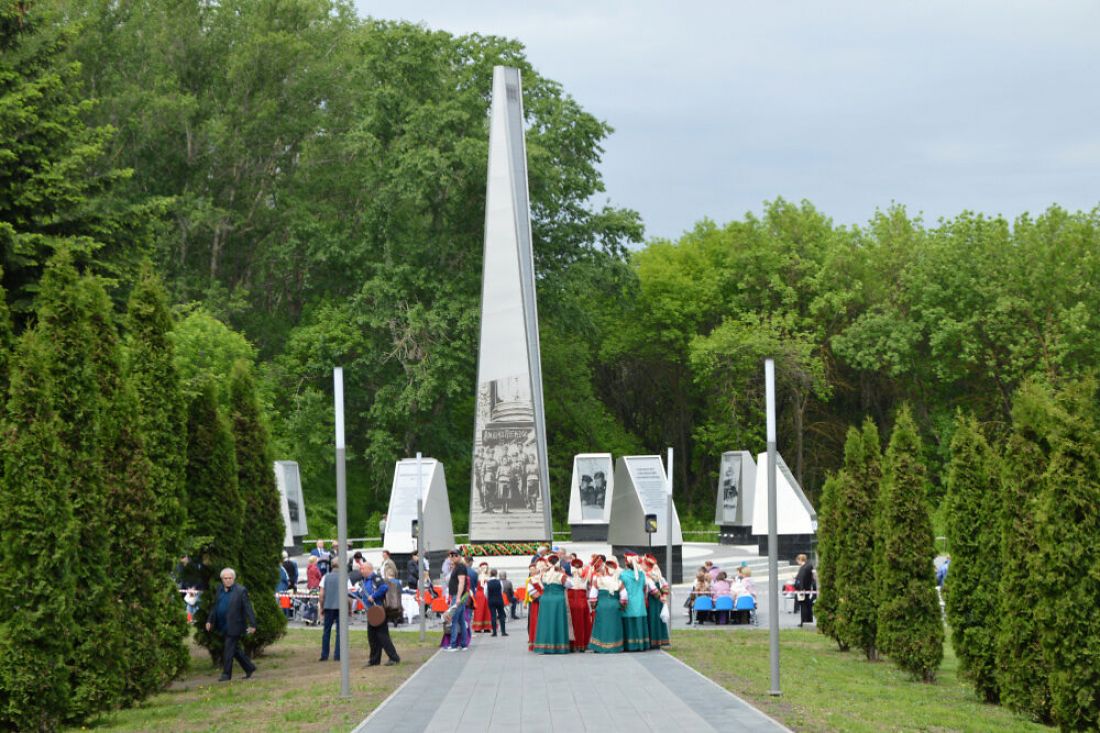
(449, 649)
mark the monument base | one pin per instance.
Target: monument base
(435, 563)
(790, 546)
(588, 532)
(673, 575)
(735, 534)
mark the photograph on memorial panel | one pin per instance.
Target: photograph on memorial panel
(593, 476)
(506, 492)
(729, 486)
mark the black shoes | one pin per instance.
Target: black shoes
(224, 678)
(248, 674)
(503, 634)
(392, 662)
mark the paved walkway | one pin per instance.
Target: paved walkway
(497, 685)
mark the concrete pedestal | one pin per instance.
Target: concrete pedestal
(735, 534)
(673, 575)
(589, 532)
(790, 546)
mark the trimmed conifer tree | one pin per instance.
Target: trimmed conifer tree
(829, 532)
(263, 519)
(856, 507)
(36, 555)
(910, 629)
(214, 502)
(161, 417)
(973, 533)
(1067, 524)
(74, 315)
(1022, 671)
(5, 345)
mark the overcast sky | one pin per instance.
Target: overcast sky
(719, 106)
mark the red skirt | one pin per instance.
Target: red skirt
(581, 617)
(482, 620)
(532, 624)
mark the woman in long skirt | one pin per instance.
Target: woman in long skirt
(579, 612)
(534, 591)
(552, 632)
(482, 622)
(658, 596)
(607, 626)
(635, 622)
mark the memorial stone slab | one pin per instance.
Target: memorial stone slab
(590, 497)
(291, 504)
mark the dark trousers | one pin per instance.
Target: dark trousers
(378, 637)
(332, 618)
(233, 650)
(807, 608)
(514, 604)
(496, 612)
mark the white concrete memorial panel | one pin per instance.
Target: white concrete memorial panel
(292, 503)
(438, 531)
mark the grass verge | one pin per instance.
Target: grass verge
(291, 690)
(828, 690)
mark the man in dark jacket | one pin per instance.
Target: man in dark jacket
(494, 596)
(378, 637)
(232, 611)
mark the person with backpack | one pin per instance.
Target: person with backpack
(378, 637)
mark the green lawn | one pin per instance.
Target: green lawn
(291, 690)
(827, 690)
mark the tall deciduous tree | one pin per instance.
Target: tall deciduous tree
(1022, 671)
(973, 504)
(1067, 525)
(910, 629)
(38, 626)
(263, 520)
(214, 501)
(856, 547)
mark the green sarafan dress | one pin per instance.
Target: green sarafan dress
(552, 633)
(635, 622)
(607, 629)
(658, 629)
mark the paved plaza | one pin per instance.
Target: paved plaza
(497, 685)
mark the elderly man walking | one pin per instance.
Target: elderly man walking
(232, 610)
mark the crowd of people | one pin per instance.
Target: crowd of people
(713, 582)
(573, 605)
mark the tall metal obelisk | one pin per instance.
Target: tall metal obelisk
(510, 482)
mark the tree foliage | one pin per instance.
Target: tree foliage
(262, 526)
(214, 502)
(1022, 671)
(910, 630)
(38, 625)
(1067, 523)
(829, 532)
(973, 505)
(857, 546)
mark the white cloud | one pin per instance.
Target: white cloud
(719, 106)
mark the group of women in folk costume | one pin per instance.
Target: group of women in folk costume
(600, 607)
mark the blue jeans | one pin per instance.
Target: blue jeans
(458, 627)
(332, 618)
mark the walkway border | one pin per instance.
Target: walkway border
(748, 704)
(363, 724)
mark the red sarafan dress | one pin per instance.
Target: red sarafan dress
(579, 612)
(534, 590)
(482, 622)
